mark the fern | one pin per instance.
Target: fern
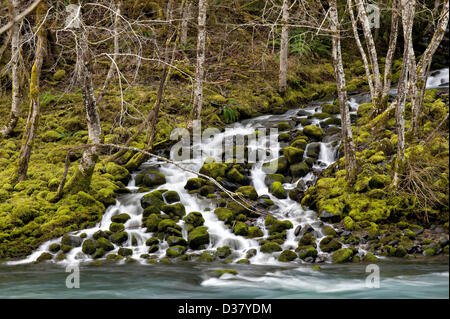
(230, 114)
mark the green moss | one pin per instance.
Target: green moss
(88, 247)
(214, 169)
(173, 210)
(224, 214)
(116, 227)
(254, 231)
(299, 169)
(283, 126)
(175, 251)
(342, 255)
(198, 237)
(121, 218)
(278, 190)
(329, 244)
(248, 192)
(240, 229)
(293, 154)
(270, 247)
(287, 256)
(313, 132)
(220, 272)
(150, 178)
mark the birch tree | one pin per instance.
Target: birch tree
(284, 46)
(346, 130)
(187, 8)
(200, 69)
(34, 111)
(15, 56)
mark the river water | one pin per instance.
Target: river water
(265, 277)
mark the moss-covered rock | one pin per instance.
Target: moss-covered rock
(342, 255)
(240, 229)
(235, 176)
(329, 244)
(379, 181)
(278, 190)
(116, 227)
(198, 237)
(284, 126)
(44, 257)
(194, 183)
(270, 247)
(293, 154)
(306, 252)
(313, 132)
(152, 199)
(223, 252)
(287, 256)
(121, 218)
(224, 214)
(276, 226)
(194, 219)
(88, 247)
(171, 197)
(270, 178)
(299, 169)
(104, 244)
(150, 178)
(214, 169)
(254, 231)
(152, 223)
(176, 241)
(248, 192)
(221, 272)
(175, 251)
(174, 210)
(71, 240)
(54, 248)
(119, 238)
(118, 172)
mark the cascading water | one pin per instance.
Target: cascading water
(220, 234)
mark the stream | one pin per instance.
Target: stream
(264, 277)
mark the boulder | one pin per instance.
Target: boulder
(150, 178)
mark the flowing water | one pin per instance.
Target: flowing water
(266, 277)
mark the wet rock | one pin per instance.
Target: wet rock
(313, 132)
(152, 199)
(71, 240)
(223, 252)
(176, 241)
(88, 247)
(119, 238)
(254, 231)
(293, 154)
(174, 210)
(329, 244)
(171, 197)
(194, 183)
(297, 230)
(248, 192)
(278, 190)
(270, 247)
(251, 253)
(44, 257)
(104, 243)
(287, 256)
(116, 227)
(150, 178)
(125, 252)
(299, 169)
(240, 229)
(198, 237)
(175, 251)
(121, 218)
(195, 219)
(270, 178)
(313, 150)
(342, 255)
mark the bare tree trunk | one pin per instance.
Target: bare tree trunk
(361, 49)
(284, 46)
(81, 180)
(347, 136)
(185, 22)
(34, 112)
(200, 71)
(389, 56)
(15, 56)
(423, 67)
(407, 9)
(112, 67)
(372, 52)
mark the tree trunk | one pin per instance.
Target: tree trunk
(81, 180)
(185, 22)
(34, 112)
(389, 56)
(372, 52)
(360, 48)
(15, 56)
(284, 45)
(407, 9)
(200, 71)
(347, 136)
(423, 67)
(112, 67)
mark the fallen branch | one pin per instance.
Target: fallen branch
(434, 131)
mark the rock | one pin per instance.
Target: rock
(175, 251)
(223, 252)
(251, 253)
(176, 241)
(214, 169)
(333, 121)
(313, 150)
(329, 231)
(173, 210)
(240, 229)
(118, 172)
(329, 244)
(342, 255)
(100, 234)
(207, 190)
(235, 176)
(54, 248)
(277, 226)
(330, 216)
(305, 252)
(88, 247)
(248, 192)
(302, 113)
(379, 181)
(284, 137)
(198, 237)
(283, 126)
(296, 194)
(99, 253)
(121, 218)
(307, 239)
(194, 183)
(165, 224)
(271, 178)
(287, 256)
(299, 143)
(71, 240)
(205, 257)
(219, 272)
(330, 108)
(299, 169)
(116, 227)
(278, 190)
(297, 230)
(153, 249)
(171, 197)
(195, 219)
(119, 238)
(313, 132)
(150, 178)
(293, 154)
(152, 199)
(369, 257)
(224, 214)
(280, 166)
(152, 223)
(270, 247)
(125, 252)
(44, 257)
(104, 243)
(254, 231)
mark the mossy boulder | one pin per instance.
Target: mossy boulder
(121, 218)
(104, 243)
(174, 210)
(118, 172)
(223, 252)
(270, 247)
(125, 252)
(287, 256)
(270, 178)
(71, 240)
(254, 231)
(99, 253)
(152, 199)
(54, 248)
(279, 166)
(175, 251)
(278, 190)
(369, 257)
(308, 251)
(313, 132)
(329, 244)
(194, 219)
(198, 237)
(379, 181)
(44, 257)
(152, 241)
(235, 176)
(88, 247)
(150, 178)
(152, 222)
(171, 197)
(214, 169)
(299, 143)
(342, 255)
(176, 241)
(220, 272)
(166, 224)
(299, 169)
(240, 229)
(224, 214)
(116, 227)
(293, 154)
(283, 126)
(205, 257)
(330, 108)
(277, 226)
(248, 192)
(329, 231)
(119, 238)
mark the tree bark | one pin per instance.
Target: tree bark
(200, 71)
(361, 49)
(372, 52)
(284, 45)
(185, 22)
(15, 57)
(423, 67)
(34, 112)
(407, 9)
(347, 136)
(389, 56)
